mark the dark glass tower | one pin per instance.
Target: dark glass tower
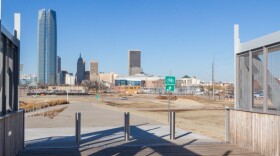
(134, 62)
(80, 75)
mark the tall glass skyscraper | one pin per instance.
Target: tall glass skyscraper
(47, 47)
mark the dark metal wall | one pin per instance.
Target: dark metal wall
(9, 73)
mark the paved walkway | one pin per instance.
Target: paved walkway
(102, 134)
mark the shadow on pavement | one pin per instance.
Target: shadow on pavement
(106, 142)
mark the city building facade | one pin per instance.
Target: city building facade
(70, 79)
(185, 82)
(94, 71)
(134, 62)
(139, 83)
(28, 80)
(108, 77)
(87, 75)
(47, 47)
(58, 64)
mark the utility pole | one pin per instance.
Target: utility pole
(213, 78)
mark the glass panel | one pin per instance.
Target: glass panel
(9, 77)
(1, 71)
(243, 84)
(273, 78)
(257, 71)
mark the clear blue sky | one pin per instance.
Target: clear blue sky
(180, 36)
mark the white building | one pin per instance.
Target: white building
(185, 82)
(108, 77)
(70, 79)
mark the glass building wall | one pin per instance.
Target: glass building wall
(47, 47)
(42, 47)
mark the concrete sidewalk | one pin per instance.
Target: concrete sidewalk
(102, 134)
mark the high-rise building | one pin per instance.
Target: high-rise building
(93, 70)
(80, 70)
(58, 64)
(94, 67)
(87, 75)
(134, 62)
(47, 47)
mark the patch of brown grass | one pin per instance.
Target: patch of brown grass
(30, 106)
(51, 113)
(165, 97)
(206, 100)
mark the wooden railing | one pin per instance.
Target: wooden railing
(11, 133)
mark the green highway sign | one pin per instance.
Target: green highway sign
(97, 96)
(170, 80)
(169, 88)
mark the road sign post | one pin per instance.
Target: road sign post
(170, 82)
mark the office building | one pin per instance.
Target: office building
(87, 75)
(94, 67)
(134, 62)
(70, 79)
(80, 70)
(94, 70)
(59, 75)
(108, 77)
(63, 75)
(47, 47)
(58, 64)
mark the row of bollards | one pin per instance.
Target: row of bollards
(126, 126)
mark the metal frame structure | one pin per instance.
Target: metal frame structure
(10, 51)
(270, 84)
(11, 118)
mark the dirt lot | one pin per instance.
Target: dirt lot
(194, 113)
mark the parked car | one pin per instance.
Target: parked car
(124, 98)
(229, 96)
(258, 94)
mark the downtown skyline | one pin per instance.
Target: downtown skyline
(177, 36)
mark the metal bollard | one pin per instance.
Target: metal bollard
(126, 126)
(78, 127)
(227, 139)
(172, 125)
